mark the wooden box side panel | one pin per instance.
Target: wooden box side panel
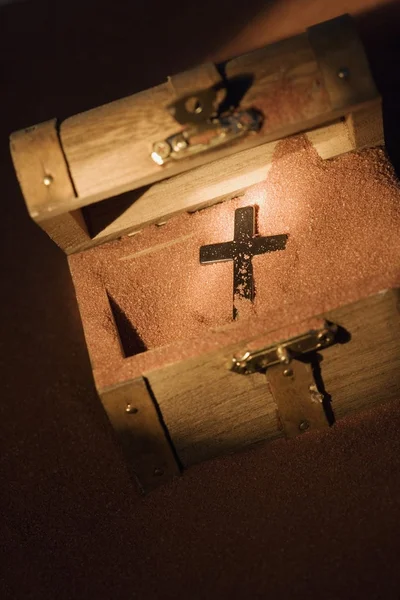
(365, 371)
(209, 410)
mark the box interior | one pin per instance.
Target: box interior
(148, 295)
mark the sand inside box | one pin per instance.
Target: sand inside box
(342, 217)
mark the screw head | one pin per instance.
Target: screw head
(161, 151)
(304, 425)
(179, 143)
(193, 105)
(324, 338)
(343, 73)
(158, 472)
(288, 372)
(47, 180)
(131, 410)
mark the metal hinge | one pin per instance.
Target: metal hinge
(284, 352)
(299, 397)
(205, 128)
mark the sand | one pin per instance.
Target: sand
(342, 217)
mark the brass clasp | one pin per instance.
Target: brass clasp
(204, 128)
(283, 353)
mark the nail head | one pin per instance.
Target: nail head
(47, 180)
(304, 425)
(343, 73)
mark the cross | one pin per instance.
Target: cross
(241, 249)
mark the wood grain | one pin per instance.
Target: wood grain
(106, 151)
(68, 231)
(199, 78)
(343, 62)
(288, 88)
(136, 422)
(365, 127)
(191, 191)
(108, 148)
(366, 370)
(209, 410)
(225, 178)
(37, 153)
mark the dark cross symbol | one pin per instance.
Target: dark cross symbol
(241, 250)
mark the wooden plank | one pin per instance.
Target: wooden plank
(287, 87)
(68, 231)
(44, 178)
(365, 371)
(187, 192)
(136, 422)
(345, 69)
(108, 148)
(209, 410)
(199, 78)
(365, 128)
(41, 169)
(225, 178)
(191, 191)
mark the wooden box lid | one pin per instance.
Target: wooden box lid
(294, 85)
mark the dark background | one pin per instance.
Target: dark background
(316, 517)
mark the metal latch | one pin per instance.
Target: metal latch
(285, 352)
(205, 128)
(298, 392)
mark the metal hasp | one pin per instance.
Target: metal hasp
(135, 417)
(204, 127)
(241, 250)
(291, 379)
(285, 352)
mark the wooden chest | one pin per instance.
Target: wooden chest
(232, 236)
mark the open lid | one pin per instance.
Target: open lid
(201, 136)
